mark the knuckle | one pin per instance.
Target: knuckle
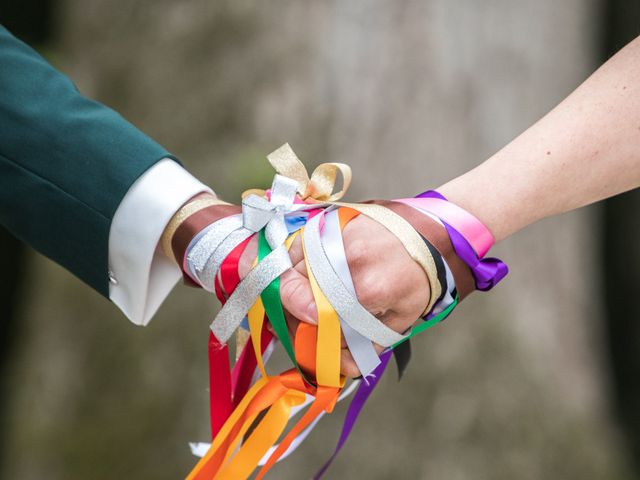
(357, 250)
(370, 290)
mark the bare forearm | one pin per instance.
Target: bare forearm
(584, 150)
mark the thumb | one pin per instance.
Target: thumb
(297, 297)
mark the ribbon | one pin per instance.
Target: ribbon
(321, 184)
(270, 298)
(345, 304)
(360, 398)
(247, 421)
(266, 216)
(410, 239)
(361, 348)
(471, 240)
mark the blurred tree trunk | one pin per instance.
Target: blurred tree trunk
(409, 93)
(621, 261)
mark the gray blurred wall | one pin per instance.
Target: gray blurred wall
(410, 94)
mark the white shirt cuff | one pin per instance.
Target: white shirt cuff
(141, 276)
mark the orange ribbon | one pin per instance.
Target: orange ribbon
(318, 354)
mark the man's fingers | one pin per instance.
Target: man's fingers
(297, 298)
(295, 252)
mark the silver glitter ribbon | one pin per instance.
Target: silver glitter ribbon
(344, 303)
(362, 350)
(259, 213)
(214, 262)
(203, 250)
(246, 293)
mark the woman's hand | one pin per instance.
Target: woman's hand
(388, 282)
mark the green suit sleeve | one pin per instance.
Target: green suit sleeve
(66, 162)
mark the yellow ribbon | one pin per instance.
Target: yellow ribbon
(203, 469)
(320, 187)
(227, 459)
(328, 350)
(322, 182)
(256, 317)
(257, 445)
(273, 424)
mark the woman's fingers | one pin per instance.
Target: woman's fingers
(388, 282)
(348, 365)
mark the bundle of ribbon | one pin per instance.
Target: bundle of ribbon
(251, 409)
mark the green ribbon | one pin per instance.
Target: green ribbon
(273, 305)
(429, 323)
(273, 308)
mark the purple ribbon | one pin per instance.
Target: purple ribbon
(487, 272)
(355, 407)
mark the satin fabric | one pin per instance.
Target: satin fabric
(478, 236)
(487, 272)
(249, 432)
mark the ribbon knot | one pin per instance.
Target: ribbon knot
(319, 187)
(257, 212)
(268, 213)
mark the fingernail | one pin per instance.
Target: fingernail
(311, 313)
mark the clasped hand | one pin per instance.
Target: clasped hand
(388, 282)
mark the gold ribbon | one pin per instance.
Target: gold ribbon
(409, 238)
(322, 182)
(188, 209)
(227, 459)
(320, 187)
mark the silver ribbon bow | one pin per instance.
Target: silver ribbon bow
(259, 213)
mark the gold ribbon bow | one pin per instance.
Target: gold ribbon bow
(322, 182)
(320, 187)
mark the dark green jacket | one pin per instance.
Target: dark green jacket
(66, 162)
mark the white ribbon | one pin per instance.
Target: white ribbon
(344, 303)
(362, 350)
(259, 213)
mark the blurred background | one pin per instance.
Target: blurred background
(538, 379)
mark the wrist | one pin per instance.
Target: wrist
(503, 201)
(462, 192)
(470, 237)
(191, 212)
(476, 234)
